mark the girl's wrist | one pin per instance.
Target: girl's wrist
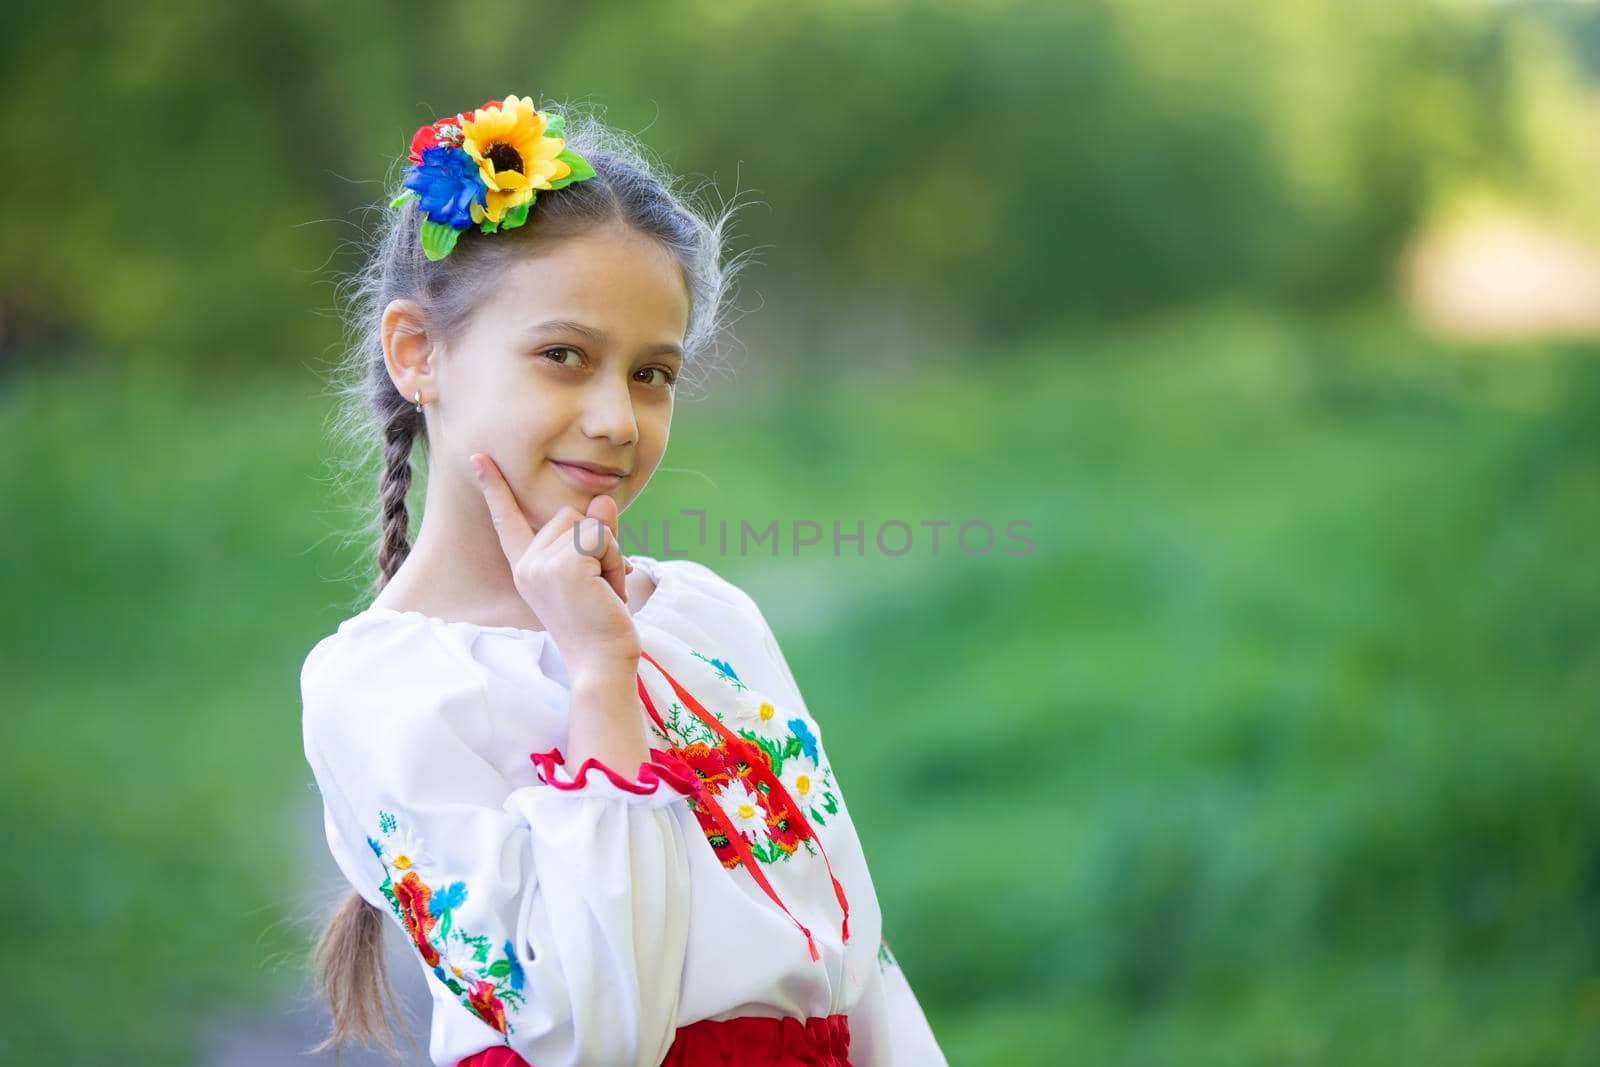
(606, 722)
(600, 679)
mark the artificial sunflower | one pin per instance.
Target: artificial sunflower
(515, 153)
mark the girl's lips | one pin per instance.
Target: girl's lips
(587, 479)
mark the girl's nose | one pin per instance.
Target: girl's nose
(608, 413)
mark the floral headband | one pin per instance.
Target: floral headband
(486, 167)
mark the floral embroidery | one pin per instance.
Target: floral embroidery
(723, 670)
(458, 959)
(885, 957)
(786, 744)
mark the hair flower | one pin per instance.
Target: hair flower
(486, 168)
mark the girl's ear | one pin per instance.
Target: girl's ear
(407, 348)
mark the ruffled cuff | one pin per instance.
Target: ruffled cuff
(594, 778)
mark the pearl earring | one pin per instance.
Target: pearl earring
(418, 399)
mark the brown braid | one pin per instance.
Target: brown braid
(351, 973)
(395, 542)
(348, 959)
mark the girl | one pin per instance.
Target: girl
(586, 787)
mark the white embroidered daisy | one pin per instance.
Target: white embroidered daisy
(800, 779)
(744, 809)
(403, 850)
(459, 959)
(761, 718)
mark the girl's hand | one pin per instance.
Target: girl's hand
(580, 598)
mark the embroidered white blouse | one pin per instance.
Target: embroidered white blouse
(581, 921)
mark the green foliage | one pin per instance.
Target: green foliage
(1013, 164)
(1278, 748)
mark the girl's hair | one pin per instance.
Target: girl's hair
(628, 189)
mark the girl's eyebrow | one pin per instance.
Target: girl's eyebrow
(598, 336)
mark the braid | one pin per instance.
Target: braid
(395, 543)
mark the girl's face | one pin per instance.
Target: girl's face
(570, 358)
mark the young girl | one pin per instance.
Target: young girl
(586, 787)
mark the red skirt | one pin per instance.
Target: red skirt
(748, 1041)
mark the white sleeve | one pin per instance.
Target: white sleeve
(555, 913)
(887, 1025)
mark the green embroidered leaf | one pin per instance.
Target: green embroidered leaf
(500, 968)
(438, 239)
(386, 822)
(453, 985)
(444, 924)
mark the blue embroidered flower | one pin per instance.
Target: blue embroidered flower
(725, 668)
(377, 849)
(447, 184)
(516, 967)
(452, 896)
(808, 740)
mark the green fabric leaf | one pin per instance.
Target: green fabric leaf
(516, 216)
(555, 126)
(580, 169)
(402, 198)
(438, 239)
(488, 225)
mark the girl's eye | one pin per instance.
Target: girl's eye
(667, 377)
(560, 348)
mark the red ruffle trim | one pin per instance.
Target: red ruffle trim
(749, 1041)
(661, 767)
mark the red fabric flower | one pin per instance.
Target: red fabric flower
(427, 136)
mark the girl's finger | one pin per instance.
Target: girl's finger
(612, 565)
(510, 525)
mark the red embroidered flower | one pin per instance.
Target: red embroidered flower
(781, 823)
(487, 1005)
(413, 896)
(716, 767)
(707, 763)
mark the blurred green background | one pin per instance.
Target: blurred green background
(1276, 322)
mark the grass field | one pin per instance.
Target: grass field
(1281, 747)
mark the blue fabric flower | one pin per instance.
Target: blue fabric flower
(447, 184)
(516, 967)
(808, 740)
(452, 896)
